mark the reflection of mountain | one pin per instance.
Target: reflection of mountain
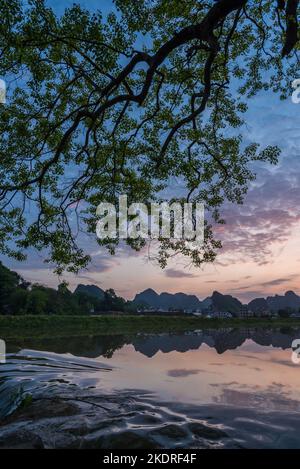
(89, 347)
(219, 339)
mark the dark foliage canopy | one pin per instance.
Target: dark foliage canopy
(124, 103)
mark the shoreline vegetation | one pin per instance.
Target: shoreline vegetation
(13, 327)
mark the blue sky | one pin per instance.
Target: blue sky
(103, 5)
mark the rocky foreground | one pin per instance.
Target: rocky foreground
(90, 421)
(132, 421)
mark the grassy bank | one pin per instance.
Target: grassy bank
(63, 326)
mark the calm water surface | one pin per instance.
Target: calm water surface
(212, 388)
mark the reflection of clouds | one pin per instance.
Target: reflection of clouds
(182, 373)
(272, 360)
(287, 362)
(255, 368)
(273, 397)
(252, 347)
(217, 385)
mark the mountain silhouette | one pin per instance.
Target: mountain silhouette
(258, 305)
(289, 300)
(91, 290)
(225, 302)
(217, 301)
(150, 298)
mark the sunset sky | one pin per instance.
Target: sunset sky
(261, 249)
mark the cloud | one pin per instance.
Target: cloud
(264, 223)
(102, 264)
(270, 212)
(279, 281)
(269, 283)
(173, 273)
(246, 296)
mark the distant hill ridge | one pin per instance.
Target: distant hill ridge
(167, 300)
(61, 299)
(91, 290)
(221, 302)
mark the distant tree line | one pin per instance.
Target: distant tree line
(287, 312)
(19, 297)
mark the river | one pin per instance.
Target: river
(218, 388)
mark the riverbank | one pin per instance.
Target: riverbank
(63, 326)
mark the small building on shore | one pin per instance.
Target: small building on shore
(245, 312)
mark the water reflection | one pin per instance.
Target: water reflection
(149, 345)
(206, 388)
